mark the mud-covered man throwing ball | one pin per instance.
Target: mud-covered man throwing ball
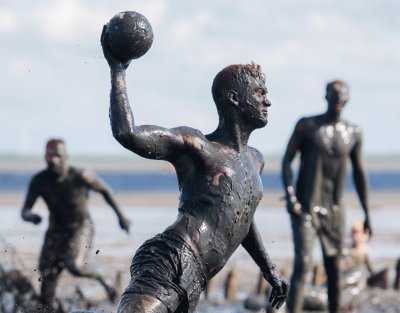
(220, 188)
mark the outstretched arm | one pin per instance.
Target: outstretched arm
(360, 181)
(96, 184)
(254, 246)
(30, 199)
(151, 142)
(293, 206)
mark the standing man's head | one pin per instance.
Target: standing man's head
(241, 88)
(337, 95)
(56, 156)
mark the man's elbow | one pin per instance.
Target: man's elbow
(123, 137)
(24, 214)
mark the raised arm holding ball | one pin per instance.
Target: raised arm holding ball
(219, 183)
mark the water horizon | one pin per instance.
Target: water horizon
(166, 181)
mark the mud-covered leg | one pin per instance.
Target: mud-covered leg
(49, 278)
(303, 239)
(333, 274)
(50, 267)
(77, 255)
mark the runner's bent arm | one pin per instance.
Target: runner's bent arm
(30, 199)
(98, 185)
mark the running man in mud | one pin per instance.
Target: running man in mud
(325, 143)
(220, 188)
(65, 190)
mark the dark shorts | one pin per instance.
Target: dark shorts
(167, 268)
(325, 224)
(62, 247)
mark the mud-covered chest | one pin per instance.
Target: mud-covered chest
(334, 140)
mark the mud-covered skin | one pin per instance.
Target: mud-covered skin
(65, 190)
(325, 143)
(217, 204)
(218, 174)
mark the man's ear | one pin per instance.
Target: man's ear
(233, 97)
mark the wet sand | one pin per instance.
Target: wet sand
(150, 213)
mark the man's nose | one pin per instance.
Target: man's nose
(53, 160)
(267, 103)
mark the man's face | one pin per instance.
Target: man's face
(256, 102)
(337, 96)
(56, 158)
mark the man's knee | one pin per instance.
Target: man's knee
(134, 302)
(74, 268)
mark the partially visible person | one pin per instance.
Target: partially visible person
(356, 264)
(358, 258)
(358, 254)
(65, 190)
(325, 143)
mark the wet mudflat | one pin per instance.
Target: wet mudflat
(113, 250)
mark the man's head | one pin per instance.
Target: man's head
(241, 88)
(56, 156)
(358, 235)
(337, 95)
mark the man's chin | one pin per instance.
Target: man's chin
(55, 171)
(262, 123)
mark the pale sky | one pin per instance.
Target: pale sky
(56, 81)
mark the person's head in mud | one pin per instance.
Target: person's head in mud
(358, 235)
(240, 95)
(337, 95)
(56, 157)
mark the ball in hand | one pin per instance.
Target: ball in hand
(129, 35)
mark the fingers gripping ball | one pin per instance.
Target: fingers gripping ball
(129, 35)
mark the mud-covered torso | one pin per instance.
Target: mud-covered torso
(220, 192)
(66, 199)
(324, 153)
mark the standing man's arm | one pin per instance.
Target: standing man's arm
(360, 180)
(30, 199)
(96, 184)
(292, 204)
(254, 246)
(148, 141)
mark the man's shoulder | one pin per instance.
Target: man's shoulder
(80, 173)
(73, 170)
(188, 131)
(40, 175)
(350, 124)
(255, 151)
(311, 118)
(256, 154)
(307, 122)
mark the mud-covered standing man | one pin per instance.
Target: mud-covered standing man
(65, 190)
(325, 143)
(220, 188)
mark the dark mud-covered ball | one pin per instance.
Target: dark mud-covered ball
(129, 35)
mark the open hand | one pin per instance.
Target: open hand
(280, 290)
